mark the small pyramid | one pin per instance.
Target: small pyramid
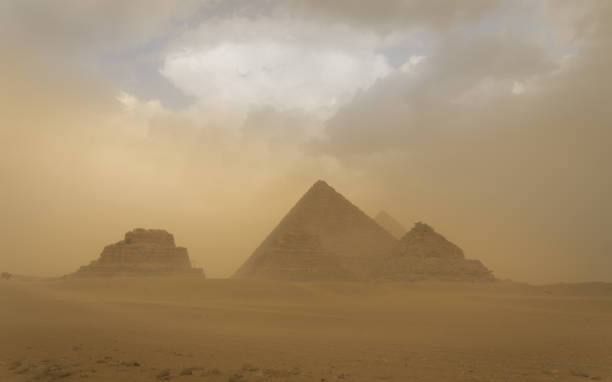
(424, 254)
(323, 237)
(141, 252)
(390, 224)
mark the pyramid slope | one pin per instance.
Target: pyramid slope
(323, 237)
(391, 225)
(424, 254)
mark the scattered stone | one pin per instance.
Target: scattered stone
(15, 364)
(213, 371)
(280, 373)
(249, 367)
(190, 370)
(58, 370)
(579, 373)
(48, 370)
(22, 370)
(130, 363)
(61, 374)
(236, 378)
(164, 375)
(271, 373)
(141, 252)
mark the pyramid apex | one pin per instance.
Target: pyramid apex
(422, 227)
(321, 183)
(321, 186)
(390, 224)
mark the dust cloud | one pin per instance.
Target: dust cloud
(130, 130)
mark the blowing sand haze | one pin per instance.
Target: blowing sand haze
(309, 304)
(305, 190)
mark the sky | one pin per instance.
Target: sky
(490, 120)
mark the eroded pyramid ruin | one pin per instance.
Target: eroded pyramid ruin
(390, 224)
(323, 237)
(141, 252)
(424, 254)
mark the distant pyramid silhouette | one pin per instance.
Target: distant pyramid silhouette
(390, 224)
(141, 252)
(323, 237)
(424, 254)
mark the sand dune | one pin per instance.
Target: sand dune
(188, 328)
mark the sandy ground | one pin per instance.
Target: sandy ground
(190, 329)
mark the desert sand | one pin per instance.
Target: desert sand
(189, 328)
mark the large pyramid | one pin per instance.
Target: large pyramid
(141, 252)
(424, 254)
(390, 224)
(323, 237)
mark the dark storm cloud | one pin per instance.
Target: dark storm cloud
(392, 14)
(531, 163)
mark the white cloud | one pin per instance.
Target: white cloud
(313, 68)
(518, 87)
(133, 104)
(411, 65)
(128, 101)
